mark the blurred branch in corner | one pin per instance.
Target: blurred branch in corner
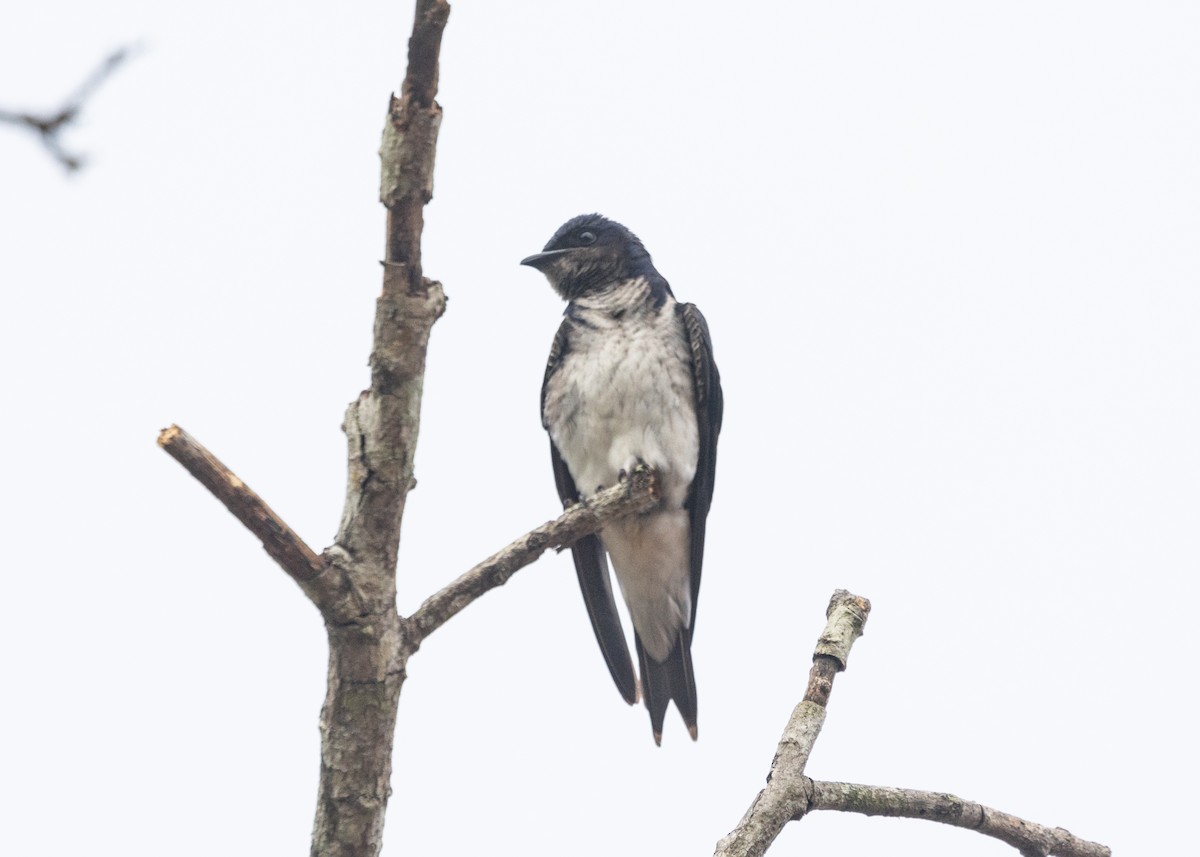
(49, 126)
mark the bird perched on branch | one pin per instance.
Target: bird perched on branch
(631, 381)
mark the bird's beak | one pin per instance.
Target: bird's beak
(542, 260)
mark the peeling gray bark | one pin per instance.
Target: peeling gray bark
(367, 646)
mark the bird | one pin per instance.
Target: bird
(631, 381)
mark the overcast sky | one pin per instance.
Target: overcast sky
(948, 253)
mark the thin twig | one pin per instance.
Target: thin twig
(636, 495)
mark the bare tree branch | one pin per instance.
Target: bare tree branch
(279, 540)
(790, 795)
(354, 582)
(49, 126)
(1028, 838)
(636, 495)
(368, 652)
(778, 803)
(381, 429)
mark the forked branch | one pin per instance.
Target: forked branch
(785, 793)
(368, 650)
(790, 795)
(325, 583)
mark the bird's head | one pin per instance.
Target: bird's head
(588, 253)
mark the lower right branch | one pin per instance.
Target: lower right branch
(790, 795)
(1032, 840)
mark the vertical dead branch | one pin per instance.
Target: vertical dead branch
(367, 648)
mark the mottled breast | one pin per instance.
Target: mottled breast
(624, 392)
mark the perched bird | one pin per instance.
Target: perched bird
(631, 380)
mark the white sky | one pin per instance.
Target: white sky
(949, 256)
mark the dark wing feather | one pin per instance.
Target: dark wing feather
(710, 405)
(673, 678)
(591, 564)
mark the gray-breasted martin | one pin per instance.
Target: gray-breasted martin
(631, 380)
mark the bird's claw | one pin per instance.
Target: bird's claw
(579, 500)
(638, 468)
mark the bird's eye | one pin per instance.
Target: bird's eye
(587, 237)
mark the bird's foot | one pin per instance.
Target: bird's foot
(579, 500)
(637, 466)
(568, 505)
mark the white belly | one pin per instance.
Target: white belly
(625, 394)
